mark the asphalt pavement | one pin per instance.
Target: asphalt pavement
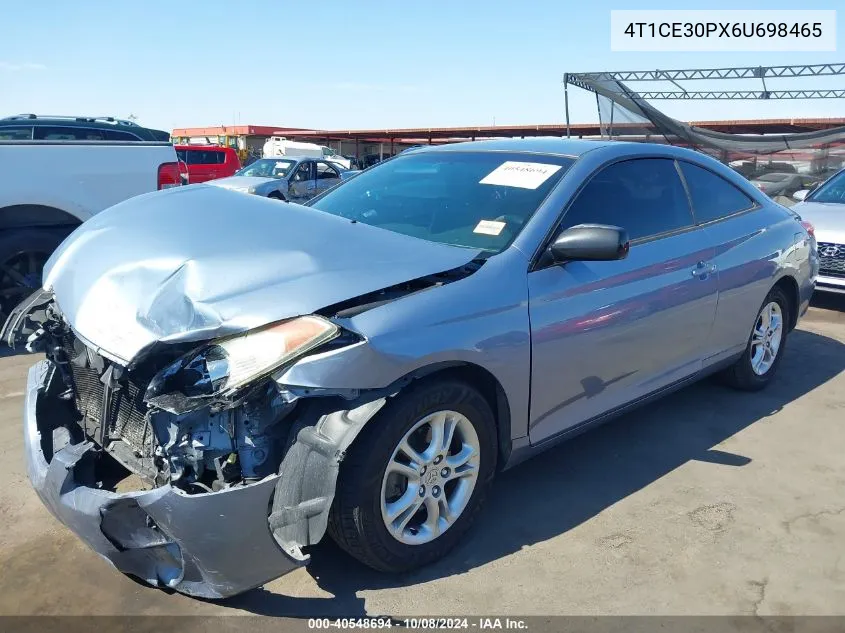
(708, 502)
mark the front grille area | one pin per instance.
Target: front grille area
(126, 416)
(831, 259)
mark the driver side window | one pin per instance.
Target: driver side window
(644, 196)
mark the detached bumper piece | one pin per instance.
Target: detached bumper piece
(210, 545)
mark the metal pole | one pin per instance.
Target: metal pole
(566, 101)
(610, 131)
(598, 111)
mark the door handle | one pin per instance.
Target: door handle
(703, 269)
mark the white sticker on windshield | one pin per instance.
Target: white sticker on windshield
(518, 174)
(489, 227)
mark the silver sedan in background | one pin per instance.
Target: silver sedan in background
(288, 178)
(824, 207)
(365, 364)
(782, 184)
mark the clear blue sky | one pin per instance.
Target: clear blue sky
(344, 64)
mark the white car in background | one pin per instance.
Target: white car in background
(824, 208)
(277, 146)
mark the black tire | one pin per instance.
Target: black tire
(741, 375)
(23, 253)
(355, 520)
(275, 195)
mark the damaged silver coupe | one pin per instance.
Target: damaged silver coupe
(227, 378)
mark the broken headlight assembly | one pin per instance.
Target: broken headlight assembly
(220, 369)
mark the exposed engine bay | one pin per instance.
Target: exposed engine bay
(202, 448)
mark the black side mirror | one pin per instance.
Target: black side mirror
(590, 242)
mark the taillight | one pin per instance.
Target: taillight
(168, 175)
(808, 226)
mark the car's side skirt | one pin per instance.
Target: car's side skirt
(523, 450)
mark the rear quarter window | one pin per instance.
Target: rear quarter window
(114, 135)
(712, 196)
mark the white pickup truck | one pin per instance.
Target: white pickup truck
(277, 146)
(48, 188)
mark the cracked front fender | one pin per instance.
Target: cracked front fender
(309, 470)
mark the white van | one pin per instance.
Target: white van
(279, 146)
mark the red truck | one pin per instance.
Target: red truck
(208, 162)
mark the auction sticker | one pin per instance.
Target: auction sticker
(489, 227)
(518, 174)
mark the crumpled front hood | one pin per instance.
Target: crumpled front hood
(200, 262)
(240, 182)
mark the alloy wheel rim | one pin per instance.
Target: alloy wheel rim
(766, 338)
(430, 477)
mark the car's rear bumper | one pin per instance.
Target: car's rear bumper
(210, 545)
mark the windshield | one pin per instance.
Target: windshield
(831, 191)
(267, 168)
(473, 199)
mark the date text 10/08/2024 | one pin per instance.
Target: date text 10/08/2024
(481, 623)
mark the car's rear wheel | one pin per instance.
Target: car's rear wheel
(415, 478)
(758, 364)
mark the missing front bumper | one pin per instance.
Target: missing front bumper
(210, 545)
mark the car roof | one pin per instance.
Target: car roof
(575, 148)
(68, 121)
(95, 123)
(204, 147)
(293, 159)
(535, 145)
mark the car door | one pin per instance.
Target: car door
(607, 333)
(302, 184)
(745, 245)
(327, 175)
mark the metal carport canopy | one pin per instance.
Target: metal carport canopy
(422, 135)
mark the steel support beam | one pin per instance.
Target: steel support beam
(741, 94)
(585, 81)
(748, 72)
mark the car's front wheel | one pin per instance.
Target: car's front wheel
(415, 478)
(758, 364)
